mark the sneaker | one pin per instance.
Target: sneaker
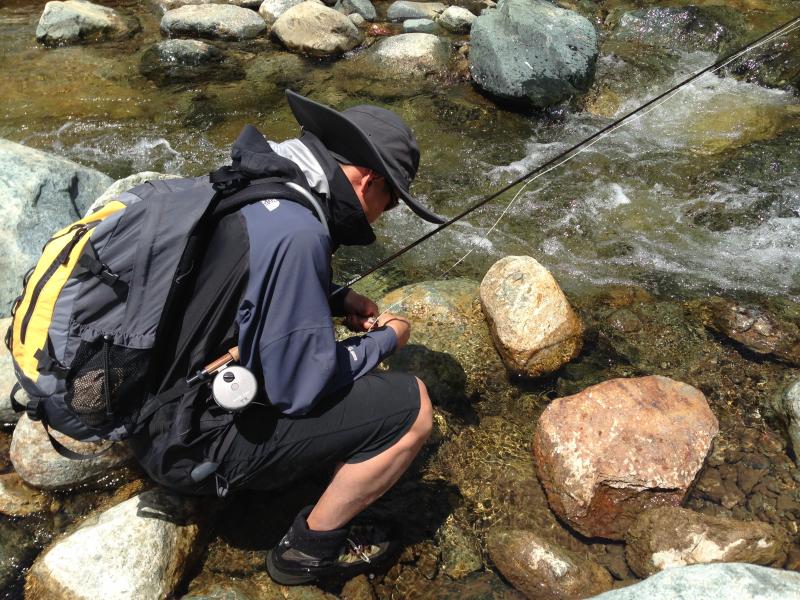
(303, 555)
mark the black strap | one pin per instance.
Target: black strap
(71, 454)
(15, 404)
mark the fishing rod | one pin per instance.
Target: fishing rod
(565, 155)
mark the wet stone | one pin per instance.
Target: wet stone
(19, 500)
(457, 19)
(17, 549)
(270, 10)
(215, 21)
(404, 9)
(314, 29)
(74, 21)
(419, 26)
(187, 60)
(359, 7)
(358, 588)
(461, 553)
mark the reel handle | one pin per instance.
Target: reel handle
(231, 356)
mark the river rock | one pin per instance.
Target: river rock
(754, 328)
(359, 7)
(533, 325)
(532, 52)
(409, 55)
(457, 19)
(357, 19)
(74, 21)
(140, 548)
(686, 28)
(731, 581)
(419, 26)
(270, 10)
(40, 194)
(216, 21)
(540, 569)
(785, 406)
(163, 6)
(312, 28)
(775, 64)
(668, 537)
(19, 500)
(461, 552)
(187, 60)
(610, 452)
(403, 9)
(40, 466)
(7, 378)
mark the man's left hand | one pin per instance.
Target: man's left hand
(359, 312)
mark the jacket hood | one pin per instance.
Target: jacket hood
(307, 158)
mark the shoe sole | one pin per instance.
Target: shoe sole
(283, 577)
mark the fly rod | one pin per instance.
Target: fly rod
(778, 31)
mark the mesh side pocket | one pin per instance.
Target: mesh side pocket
(99, 365)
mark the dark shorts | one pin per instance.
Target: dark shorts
(270, 450)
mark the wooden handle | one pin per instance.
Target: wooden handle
(231, 356)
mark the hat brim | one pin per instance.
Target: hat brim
(329, 124)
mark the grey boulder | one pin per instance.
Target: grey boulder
(731, 581)
(216, 21)
(360, 7)
(532, 52)
(163, 6)
(40, 194)
(74, 21)
(410, 55)
(187, 60)
(403, 9)
(315, 29)
(457, 19)
(419, 26)
(140, 548)
(40, 466)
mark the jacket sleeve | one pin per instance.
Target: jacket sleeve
(287, 333)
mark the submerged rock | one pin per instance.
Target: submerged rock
(668, 537)
(404, 9)
(687, 28)
(408, 55)
(41, 194)
(610, 452)
(775, 65)
(533, 326)
(542, 570)
(140, 548)
(74, 21)
(187, 60)
(17, 549)
(315, 29)
(19, 500)
(532, 52)
(713, 582)
(40, 466)
(359, 7)
(216, 21)
(461, 552)
(756, 329)
(457, 19)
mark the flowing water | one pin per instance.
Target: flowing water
(699, 197)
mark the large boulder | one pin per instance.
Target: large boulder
(216, 21)
(532, 52)
(534, 328)
(140, 548)
(404, 9)
(358, 7)
(457, 19)
(409, 55)
(40, 194)
(7, 379)
(313, 28)
(610, 452)
(668, 537)
(39, 465)
(540, 569)
(733, 581)
(187, 60)
(74, 21)
(163, 6)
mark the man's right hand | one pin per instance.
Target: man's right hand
(401, 326)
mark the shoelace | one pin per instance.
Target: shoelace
(359, 550)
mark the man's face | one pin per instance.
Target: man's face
(378, 197)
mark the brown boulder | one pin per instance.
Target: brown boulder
(668, 537)
(541, 570)
(620, 447)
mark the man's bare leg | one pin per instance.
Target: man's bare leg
(356, 486)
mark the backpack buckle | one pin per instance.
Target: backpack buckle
(107, 276)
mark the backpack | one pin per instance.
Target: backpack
(88, 322)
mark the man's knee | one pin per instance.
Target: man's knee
(424, 422)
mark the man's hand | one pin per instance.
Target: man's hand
(359, 312)
(401, 326)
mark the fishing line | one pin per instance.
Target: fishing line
(577, 149)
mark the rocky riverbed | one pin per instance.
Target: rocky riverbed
(641, 421)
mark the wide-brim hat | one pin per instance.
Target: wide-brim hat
(366, 136)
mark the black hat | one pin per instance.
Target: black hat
(366, 136)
